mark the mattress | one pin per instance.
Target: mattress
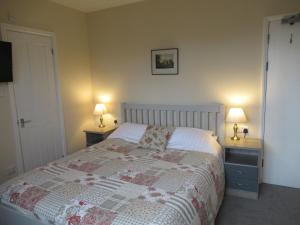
(115, 182)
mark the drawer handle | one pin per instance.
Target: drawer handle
(240, 184)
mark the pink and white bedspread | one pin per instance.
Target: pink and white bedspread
(115, 182)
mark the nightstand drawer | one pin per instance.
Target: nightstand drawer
(241, 184)
(241, 172)
(95, 136)
(92, 138)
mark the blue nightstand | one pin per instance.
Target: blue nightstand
(243, 166)
(94, 136)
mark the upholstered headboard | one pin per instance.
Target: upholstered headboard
(208, 117)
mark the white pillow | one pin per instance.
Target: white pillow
(131, 132)
(193, 139)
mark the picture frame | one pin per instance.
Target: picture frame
(164, 61)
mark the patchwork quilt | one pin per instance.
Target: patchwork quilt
(115, 182)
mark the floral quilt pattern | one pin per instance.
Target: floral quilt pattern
(82, 213)
(117, 183)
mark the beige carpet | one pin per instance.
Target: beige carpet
(276, 206)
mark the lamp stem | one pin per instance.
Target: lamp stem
(235, 130)
(101, 125)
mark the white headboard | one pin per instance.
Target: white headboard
(208, 117)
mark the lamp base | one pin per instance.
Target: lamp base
(235, 130)
(235, 138)
(101, 125)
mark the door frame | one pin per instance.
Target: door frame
(17, 140)
(264, 72)
(265, 55)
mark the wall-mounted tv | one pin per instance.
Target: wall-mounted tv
(6, 74)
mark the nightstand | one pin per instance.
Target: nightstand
(96, 135)
(243, 166)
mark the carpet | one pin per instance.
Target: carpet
(276, 205)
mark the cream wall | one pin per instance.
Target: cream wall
(70, 28)
(220, 52)
(220, 49)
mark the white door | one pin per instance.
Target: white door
(36, 100)
(282, 119)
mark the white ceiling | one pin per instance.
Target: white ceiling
(94, 5)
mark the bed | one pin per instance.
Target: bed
(117, 182)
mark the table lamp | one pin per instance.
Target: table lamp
(100, 110)
(236, 115)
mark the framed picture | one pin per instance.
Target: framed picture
(164, 61)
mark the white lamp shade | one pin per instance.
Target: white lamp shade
(100, 109)
(236, 115)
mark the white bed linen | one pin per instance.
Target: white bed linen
(194, 139)
(131, 132)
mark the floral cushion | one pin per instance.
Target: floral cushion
(156, 137)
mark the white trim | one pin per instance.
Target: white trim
(264, 73)
(4, 28)
(279, 17)
(58, 95)
(21, 29)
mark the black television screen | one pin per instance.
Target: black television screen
(5, 62)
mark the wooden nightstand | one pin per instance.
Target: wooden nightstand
(243, 163)
(94, 136)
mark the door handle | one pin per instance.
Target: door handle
(22, 122)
